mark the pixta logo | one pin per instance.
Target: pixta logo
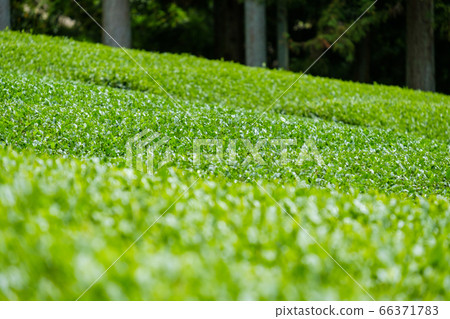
(143, 146)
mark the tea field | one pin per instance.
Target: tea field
(374, 194)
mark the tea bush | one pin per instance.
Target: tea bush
(202, 81)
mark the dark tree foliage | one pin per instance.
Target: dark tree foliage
(174, 26)
(229, 35)
(58, 17)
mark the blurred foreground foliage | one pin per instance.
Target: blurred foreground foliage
(63, 221)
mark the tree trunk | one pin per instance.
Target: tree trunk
(282, 35)
(255, 33)
(5, 14)
(229, 30)
(362, 70)
(117, 22)
(420, 65)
